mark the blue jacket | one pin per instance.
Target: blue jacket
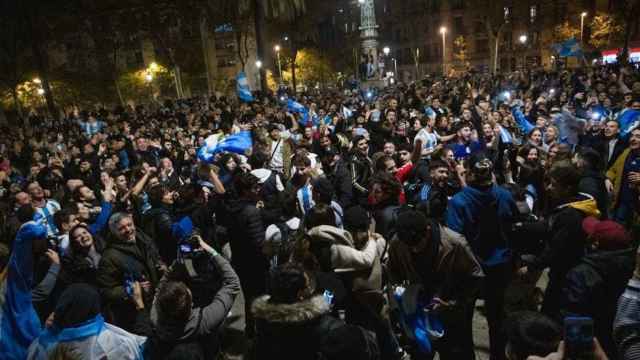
(463, 214)
(19, 322)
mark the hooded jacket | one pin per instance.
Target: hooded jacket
(203, 323)
(566, 238)
(157, 224)
(305, 331)
(463, 215)
(345, 257)
(455, 270)
(593, 287)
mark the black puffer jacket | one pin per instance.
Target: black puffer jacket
(246, 237)
(157, 224)
(593, 288)
(306, 331)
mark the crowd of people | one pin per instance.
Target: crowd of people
(358, 224)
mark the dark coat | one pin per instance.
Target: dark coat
(157, 224)
(341, 181)
(246, 238)
(593, 287)
(203, 324)
(592, 183)
(139, 260)
(306, 331)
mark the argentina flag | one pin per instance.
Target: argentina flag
(346, 112)
(505, 136)
(296, 107)
(568, 48)
(19, 322)
(239, 143)
(628, 119)
(242, 87)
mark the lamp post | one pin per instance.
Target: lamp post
(395, 67)
(277, 50)
(582, 16)
(386, 50)
(523, 41)
(443, 31)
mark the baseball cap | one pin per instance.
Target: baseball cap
(609, 234)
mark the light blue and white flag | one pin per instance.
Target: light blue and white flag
(505, 136)
(242, 87)
(239, 143)
(346, 112)
(628, 120)
(296, 107)
(568, 48)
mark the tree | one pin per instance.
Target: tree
(291, 18)
(606, 31)
(14, 60)
(313, 67)
(495, 17)
(565, 31)
(627, 10)
(461, 51)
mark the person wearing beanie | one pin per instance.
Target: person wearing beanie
(483, 213)
(441, 261)
(592, 287)
(294, 322)
(77, 323)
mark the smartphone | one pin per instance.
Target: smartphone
(185, 248)
(578, 337)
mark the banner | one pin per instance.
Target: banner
(568, 48)
(242, 87)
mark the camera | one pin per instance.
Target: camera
(198, 270)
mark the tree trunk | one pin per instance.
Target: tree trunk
(119, 91)
(204, 37)
(493, 49)
(42, 63)
(293, 71)
(260, 39)
(16, 102)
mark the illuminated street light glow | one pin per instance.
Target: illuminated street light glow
(386, 50)
(148, 76)
(258, 64)
(443, 30)
(523, 39)
(153, 66)
(276, 48)
(37, 80)
(40, 91)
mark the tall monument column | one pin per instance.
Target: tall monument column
(369, 30)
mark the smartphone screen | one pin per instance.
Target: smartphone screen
(185, 248)
(578, 337)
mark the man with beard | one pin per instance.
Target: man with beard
(337, 172)
(361, 168)
(562, 227)
(483, 212)
(464, 145)
(624, 180)
(46, 208)
(246, 237)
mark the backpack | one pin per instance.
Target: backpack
(490, 233)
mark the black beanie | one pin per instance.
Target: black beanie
(77, 304)
(356, 219)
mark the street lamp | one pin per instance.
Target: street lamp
(386, 50)
(277, 50)
(443, 31)
(523, 39)
(37, 81)
(582, 16)
(148, 76)
(395, 67)
(40, 91)
(258, 64)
